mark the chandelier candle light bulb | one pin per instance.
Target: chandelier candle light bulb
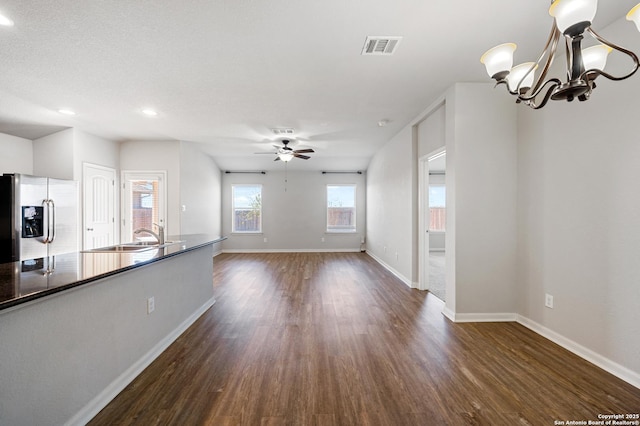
(499, 59)
(521, 77)
(573, 16)
(572, 21)
(595, 57)
(634, 15)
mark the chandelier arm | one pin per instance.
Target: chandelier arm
(549, 51)
(504, 81)
(633, 56)
(556, 82)
(547, 95)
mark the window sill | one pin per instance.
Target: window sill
(247, 233)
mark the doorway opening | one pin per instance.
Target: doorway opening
(437, 208)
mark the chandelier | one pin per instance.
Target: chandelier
(572, 19)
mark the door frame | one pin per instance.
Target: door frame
(128, 175)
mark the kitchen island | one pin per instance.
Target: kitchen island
(75, 329)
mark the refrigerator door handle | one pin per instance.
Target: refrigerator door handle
(52, 221)
(45, 205)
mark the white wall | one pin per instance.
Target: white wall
(62, 154)
(391, 196)
(156, 156)
(17, 154)
(53, 155)
(480, 133)
(579, 216)
(432, 130)
(200, 192)
(92, 149)
(483, 157)
(294, 219)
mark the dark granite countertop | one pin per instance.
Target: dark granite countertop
(27, 280)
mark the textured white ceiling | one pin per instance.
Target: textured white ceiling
(223, 72)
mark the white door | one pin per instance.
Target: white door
(99, 206)
(143, 202)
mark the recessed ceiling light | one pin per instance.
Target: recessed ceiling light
(66, 111)
(150, 112)
(5, 21)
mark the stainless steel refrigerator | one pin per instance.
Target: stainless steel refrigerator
(38, 217)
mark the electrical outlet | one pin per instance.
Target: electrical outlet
(322, 240)
(548, 300)
(385, 249)
(265, 239)
(151, 304)
(396, 255)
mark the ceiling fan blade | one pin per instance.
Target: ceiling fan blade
(300, 151)
(304, 157)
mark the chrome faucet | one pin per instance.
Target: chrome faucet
(159, 236)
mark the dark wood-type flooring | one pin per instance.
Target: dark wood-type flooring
(334, 339)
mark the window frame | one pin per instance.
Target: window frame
(233, 209)
(354, 227)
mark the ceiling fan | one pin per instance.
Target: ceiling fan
(286, 153)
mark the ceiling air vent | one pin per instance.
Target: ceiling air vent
(282, 132)
(378, 45)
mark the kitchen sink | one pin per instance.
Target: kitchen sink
(132, 247)
(149, 243)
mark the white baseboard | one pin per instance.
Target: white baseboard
(94, 406)
(449, 314)
(493, 317)
(338, 250)
(606, 364)
(390, 269)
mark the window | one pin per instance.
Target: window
(247, 208)
(437, 208)
(341, 208)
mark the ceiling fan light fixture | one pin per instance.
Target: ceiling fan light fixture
(286, 157)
